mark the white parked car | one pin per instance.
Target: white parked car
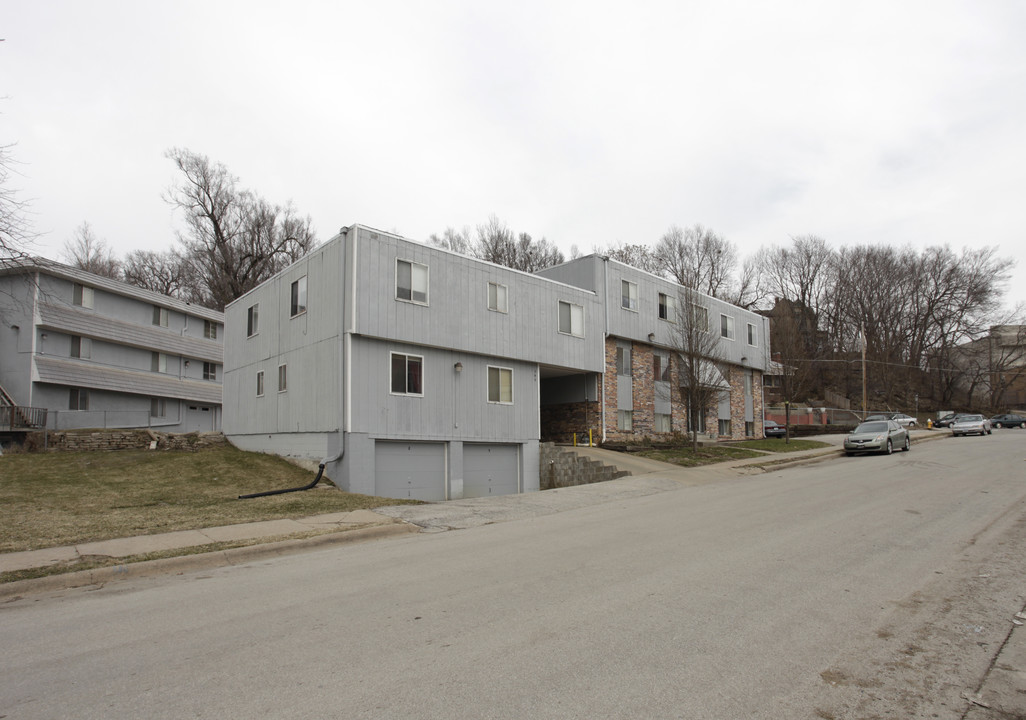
(971, 425)
(904, 420)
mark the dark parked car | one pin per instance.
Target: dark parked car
(772, 429)
(949, 419)
(1008, 420)
(877, 436)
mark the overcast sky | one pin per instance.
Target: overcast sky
(588, 123)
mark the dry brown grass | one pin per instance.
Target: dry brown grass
(58, 498)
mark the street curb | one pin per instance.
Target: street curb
(770, 466)
(200, 561)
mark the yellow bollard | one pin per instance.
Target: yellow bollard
(590, 443)
(575, 439)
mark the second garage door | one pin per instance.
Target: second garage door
(490, 470)
(409, 470)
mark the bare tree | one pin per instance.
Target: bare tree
(167, 273)
(235, 239)
(698, 382)
(87, 252)
(697, 258)
(639, 256)
(790, 342)
(15, 231)
(497, 243)
(456, 240)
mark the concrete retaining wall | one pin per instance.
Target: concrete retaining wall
(563, 468)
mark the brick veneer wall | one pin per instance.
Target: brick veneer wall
(560, 422)
(644, 398)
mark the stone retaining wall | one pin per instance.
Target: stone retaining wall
(564, 468)
(101, 440)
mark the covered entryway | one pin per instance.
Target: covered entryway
(409, 470)
(490, 470)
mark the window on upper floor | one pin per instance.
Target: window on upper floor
(81, 347)
(571, 319)
(160, 316)
(661, 367)
(749, 381)
(727, 327)
(752, 337)
(628, 295)
(411, 282)
(498, 297)
(500, 385)
(252, 320)
(283, 378)
(260, 384)
(700, 316)
(158, 407)
(407, 374)
(82, 295)
(209, 371)
(667, 307)
(298, 295)
(210, 330)
(158, 362)
(79, 399)
(623, 360)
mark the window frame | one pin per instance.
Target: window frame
(210, 330)
(83, 296)
(298, 297)
(81, 347)
(505, 297)
(661, 367)
(158, 407)
(283, 378)
(427, 282)
(657, 419)
(753, 339)
(727, 333)
(210, 371)
(500, 370)
(260, 383)
(158, 362)
(253, 320)
(78, 399)
(668, 307)
(624, 369)
(631, 297)
(406, 374)
(161, 316)
(559, 319)
(625, 420)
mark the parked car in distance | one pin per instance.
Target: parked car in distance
(1008, 420)
(773, 429)
(882, 436)
(904, 420)
(949, 419)
(971, 425)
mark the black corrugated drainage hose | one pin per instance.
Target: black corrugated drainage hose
(320, 471)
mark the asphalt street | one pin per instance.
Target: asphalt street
(859, 587)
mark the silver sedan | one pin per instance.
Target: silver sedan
(882, 436)
(971, 425)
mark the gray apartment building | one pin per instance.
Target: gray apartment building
(416, 372)
(94, 352)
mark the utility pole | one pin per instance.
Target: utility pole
(864, 407)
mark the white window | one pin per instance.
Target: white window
(660, 367)
(500, 385)
(160, 316)
(81, 347)
(571, 319)
(625, 420)
(498, 297)
(662, 423)
(724, 427)
(283, 378)
(298, 304)
(407, 374)
(749, 382)
(751, 335)
(158, 362)
(727, 327)
(628, 295)
(252, 320)
(260, 384)
(79, 399)
(700, 316)
(411, 282)
(210, 330)
(82, 296)
(749, 428)
(158, 407)
(667, 307)
(623, 360)
(209, 371)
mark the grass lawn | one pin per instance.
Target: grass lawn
(778, 445)
(64, 498)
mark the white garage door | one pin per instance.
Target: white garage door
(490, 470)
(409, 470)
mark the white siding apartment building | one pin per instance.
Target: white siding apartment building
(94, 352)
